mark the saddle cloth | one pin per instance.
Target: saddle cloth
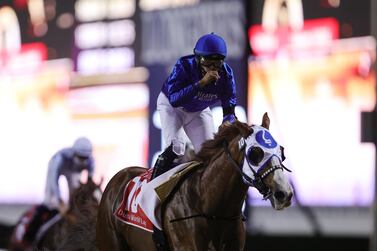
(142, 197)
(23, 226)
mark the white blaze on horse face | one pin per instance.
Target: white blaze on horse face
(281, 184)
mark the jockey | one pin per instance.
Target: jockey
(196, 82)
(69, 162)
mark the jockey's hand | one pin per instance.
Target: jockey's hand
(209, 78)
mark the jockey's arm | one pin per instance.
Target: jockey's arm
(178, 91)
(53, 175)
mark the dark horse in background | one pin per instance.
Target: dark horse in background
(75, 229)
(204, 211)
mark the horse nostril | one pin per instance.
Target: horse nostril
(290, 195)
(279, 195)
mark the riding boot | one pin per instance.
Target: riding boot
(35, 223)
(164, 162)
(159, 239)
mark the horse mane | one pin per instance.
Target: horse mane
(227, 132)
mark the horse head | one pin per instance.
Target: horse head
(259, 159)
(88, 193)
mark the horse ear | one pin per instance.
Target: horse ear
(266, 121)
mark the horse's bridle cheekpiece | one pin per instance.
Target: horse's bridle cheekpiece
(259, 149)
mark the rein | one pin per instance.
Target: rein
(211, 217)
(226, 149)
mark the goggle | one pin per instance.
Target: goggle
(211, 62)
(81, 158)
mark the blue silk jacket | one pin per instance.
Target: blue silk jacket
(182, 89)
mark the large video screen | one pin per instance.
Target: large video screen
(42, 113)
(315, 102)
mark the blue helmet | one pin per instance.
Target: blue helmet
(210, 44)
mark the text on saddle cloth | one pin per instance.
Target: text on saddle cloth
(141, 206)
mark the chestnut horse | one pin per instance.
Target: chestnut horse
(204, 211)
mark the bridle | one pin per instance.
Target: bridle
(259, 175)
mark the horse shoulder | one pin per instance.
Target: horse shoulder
(184, 202)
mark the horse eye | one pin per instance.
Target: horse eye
(255, 155)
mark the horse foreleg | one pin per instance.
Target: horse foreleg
(108, 239)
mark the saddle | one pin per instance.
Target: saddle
(165, 189)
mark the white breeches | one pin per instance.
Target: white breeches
(175, 122)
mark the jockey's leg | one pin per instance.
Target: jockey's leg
(174, 138)
(164, 162)
(35, 223)
(199, 128)
(172, 133)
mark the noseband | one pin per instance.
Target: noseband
(257, 182)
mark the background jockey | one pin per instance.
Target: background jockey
(69, 162)
(196, 82)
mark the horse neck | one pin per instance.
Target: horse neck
(222, 187)
(86, 210)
